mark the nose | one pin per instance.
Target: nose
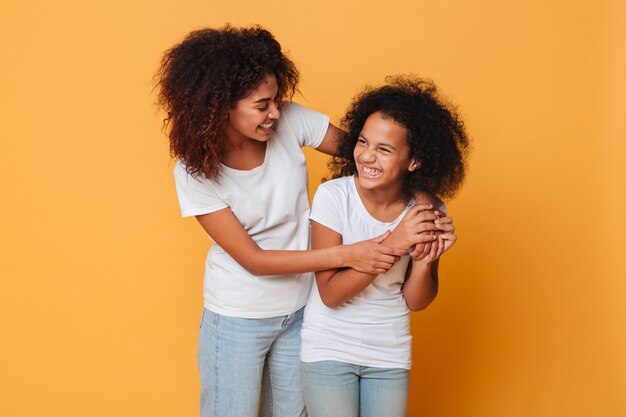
(367, 155)
(274, 112)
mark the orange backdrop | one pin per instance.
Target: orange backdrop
(101, 280)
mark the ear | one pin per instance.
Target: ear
(414, 164)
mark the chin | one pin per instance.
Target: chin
(261, 138)
(366, 182)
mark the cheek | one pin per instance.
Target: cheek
(242, 121)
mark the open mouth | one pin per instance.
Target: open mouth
(370, 172)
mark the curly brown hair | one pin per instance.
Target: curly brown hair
(435, 134)
(203, 76)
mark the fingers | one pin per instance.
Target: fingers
(387, 259)
(446, 228)
(386, 250)
(380, 267)
(426, 227)
(422, 227)
(444, 220)
(380, 238)
(419, 250)
(436, 249)
(418, 208)
(374, 267)
(449, 239)
(441, 248)
(424, 238)
(432, 255)
(448, 236)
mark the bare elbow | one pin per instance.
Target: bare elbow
(258, 270)
(253, 271)
(420, 303)
(330, 302)
(254, 265)
(418, 306)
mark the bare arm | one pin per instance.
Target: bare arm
(226, 231)
(331, 140)
(422, 281)
(336, 286)
(421, 284)
(329, 146)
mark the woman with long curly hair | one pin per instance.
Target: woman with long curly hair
(227, 92)
(401, 139)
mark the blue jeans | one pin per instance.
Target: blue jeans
(339, 389)
(250, 367)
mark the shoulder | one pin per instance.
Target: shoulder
(294, 113)
(293, 109)
(184, 179)
(335, 192)
(180, 172)
(336, 186)
(306, 126)
(426, 198)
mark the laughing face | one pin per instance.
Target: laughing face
(253, 117)
(382, 154)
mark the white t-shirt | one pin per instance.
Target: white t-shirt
(373, 328)
(271, 203)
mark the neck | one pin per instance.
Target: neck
(245, 154)
(383, 204)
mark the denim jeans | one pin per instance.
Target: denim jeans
(339, 389)
(250, 367)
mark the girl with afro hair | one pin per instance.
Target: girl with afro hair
(241, 172)
(401, 139)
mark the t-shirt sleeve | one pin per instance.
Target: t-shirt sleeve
(308, 126)
(195, 196)
(441, 206)
(327, 208)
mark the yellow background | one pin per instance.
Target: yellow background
(100, 295)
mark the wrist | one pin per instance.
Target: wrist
(398, 242)
(343, 255)
(424, 262)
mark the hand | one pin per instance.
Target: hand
(422, 250)
(417, 228)
(447, 236)
(370, 257)
(445, 239)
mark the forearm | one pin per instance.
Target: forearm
(340, 286)
(284, 262)
(421, 285)
(396, 241)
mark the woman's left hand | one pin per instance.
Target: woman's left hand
(445, 239)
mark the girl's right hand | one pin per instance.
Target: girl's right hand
(372, 257)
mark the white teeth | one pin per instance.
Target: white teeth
(267, 125)
(371, 171)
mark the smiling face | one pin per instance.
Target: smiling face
(253, 117)
(382, 154)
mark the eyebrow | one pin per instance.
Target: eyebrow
(380, 144)
(262, 100)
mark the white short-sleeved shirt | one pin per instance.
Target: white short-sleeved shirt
(271, 203)
(373, 328)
